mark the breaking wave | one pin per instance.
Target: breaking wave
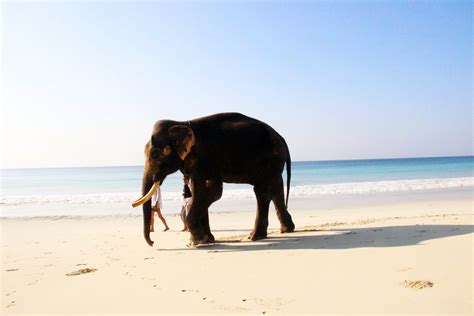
(356, 188)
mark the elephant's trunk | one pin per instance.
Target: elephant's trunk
(147, 184)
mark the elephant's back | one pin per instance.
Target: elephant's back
(239, 142)
(226, 118)
(238, 131)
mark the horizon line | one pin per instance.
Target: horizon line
(293, 161)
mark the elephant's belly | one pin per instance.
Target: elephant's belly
(238, 178)
(239, 168)
(250, 175)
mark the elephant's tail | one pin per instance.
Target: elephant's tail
(288, 173)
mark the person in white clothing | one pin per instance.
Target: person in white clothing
(156, 207)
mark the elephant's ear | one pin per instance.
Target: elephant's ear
(183, 139)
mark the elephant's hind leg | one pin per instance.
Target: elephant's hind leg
(261, 220)
(278, 198)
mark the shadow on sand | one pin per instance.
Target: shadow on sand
(342, 238)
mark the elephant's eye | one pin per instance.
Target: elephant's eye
(166, 151)
(154, 153)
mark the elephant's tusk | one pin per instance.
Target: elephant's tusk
(147, 196)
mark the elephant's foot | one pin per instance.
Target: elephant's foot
(256, 235)
(287, 228)
(286, 223)
(197, 240)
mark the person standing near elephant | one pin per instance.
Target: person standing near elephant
(187, 200)
(157, 203)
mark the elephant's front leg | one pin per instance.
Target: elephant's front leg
(198, 218)
(207, 227)
(194, 220)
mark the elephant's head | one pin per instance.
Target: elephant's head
(165, 152)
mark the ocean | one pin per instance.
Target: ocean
(97, 191)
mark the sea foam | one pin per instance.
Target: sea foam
(301, 191)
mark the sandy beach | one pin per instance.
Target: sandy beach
(398, 258)
(352, 118)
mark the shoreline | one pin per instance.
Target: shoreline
(172, 207)
(361, 259)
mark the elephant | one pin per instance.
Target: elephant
(224, 147)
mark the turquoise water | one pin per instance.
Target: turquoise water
(128, 179)
(49, 190)
(324, 172)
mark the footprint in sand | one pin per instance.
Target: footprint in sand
(417, 284)
(275, 303)
(113, 259)
(189, 290)
(406, 269)
(81, 271)
(233, 309)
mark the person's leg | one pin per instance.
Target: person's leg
(152, 221)
(182, 214)
(187, 208)
(162, 219)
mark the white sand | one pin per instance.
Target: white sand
(345, 261)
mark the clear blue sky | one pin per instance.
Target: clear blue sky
(83, 83)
